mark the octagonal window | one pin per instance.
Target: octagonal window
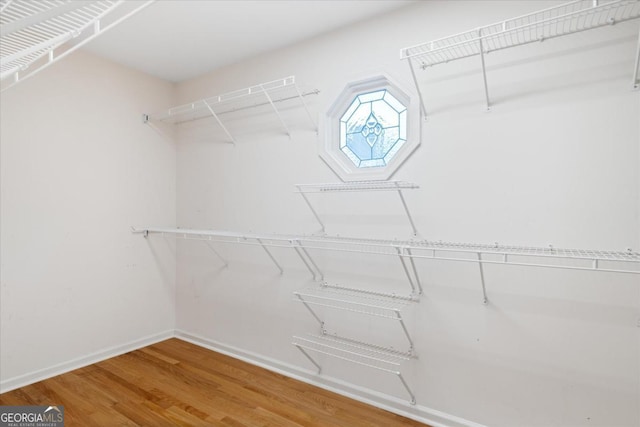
(373, 128)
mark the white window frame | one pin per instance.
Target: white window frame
(329, 142)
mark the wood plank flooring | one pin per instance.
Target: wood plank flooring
(175, 383)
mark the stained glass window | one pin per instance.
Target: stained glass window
(373, 128)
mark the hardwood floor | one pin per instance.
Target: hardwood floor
(175, 383)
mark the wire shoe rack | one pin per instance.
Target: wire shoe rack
(363, 354)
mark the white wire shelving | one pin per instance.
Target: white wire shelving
(380, 358)
(561, 20)
(264, 94)
(409, 251)
(360, 301)
(358, 186)
(36, 34)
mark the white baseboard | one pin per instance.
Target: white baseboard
(61, 368)
(392, 404)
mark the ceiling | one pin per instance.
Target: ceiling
(180, 39)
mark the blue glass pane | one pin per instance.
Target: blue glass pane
(394, 103)
(359, 146)
(386, 115)
(371, 96)
(359, 117)
(384, 144)
(373, 128)
(350, 110)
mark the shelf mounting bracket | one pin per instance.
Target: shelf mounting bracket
(275, 109)
(307, 260)
(406, 209)
(415, 270)
(484, 71)
(485, 300)
(270, 255)
(306, 108)
(406, 331)
(315, 214)
(405, 268)
(313, 313)
(310, 358)
(636, 81)
(406, 386)
(215, 116)
(415, 81)
(210, 246)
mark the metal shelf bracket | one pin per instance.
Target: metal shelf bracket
(398, 186)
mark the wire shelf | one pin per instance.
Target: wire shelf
(565, 19)
(356, 186)
(591, 260)
(354, 300)
(545, 24)
(381, 358)
(387, 247)
(36, 34)
(263, 94)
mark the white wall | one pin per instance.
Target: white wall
(78, 170)
(556, 161)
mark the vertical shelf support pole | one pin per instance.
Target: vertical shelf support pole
(310, 358)
(636, 82)
(270, 255)
(215, 116)
(404, 266)
(406, 386)
(415, 81)
(226, 264)
(484, 71)
(275, 109)
(406, 209)
(484, 290)
(315, 214)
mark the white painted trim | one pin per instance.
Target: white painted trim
(420, 413)
(329, 129)
(393, 404)
(61, 368)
